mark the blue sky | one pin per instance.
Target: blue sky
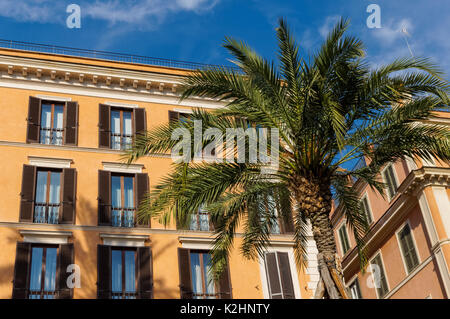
(193, 30)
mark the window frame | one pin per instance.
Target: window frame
(204, 295)
(378, 253)
(123, 293)
(197, 216)
(369, 213)
(343, 226)
(49, 170)
(394, 174)
(63, 130)
(121, 135)
(122, 197)
(416, 251)
(43, 268)
(353, 282)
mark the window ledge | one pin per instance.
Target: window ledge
(45, 237)
(124, 240)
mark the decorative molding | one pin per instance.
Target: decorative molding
(122, 168)
(126, 240)
(45, 237)
(117, 104)
(49, 162)
(54, 98)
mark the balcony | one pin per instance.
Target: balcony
(123, 216)
(46, 213)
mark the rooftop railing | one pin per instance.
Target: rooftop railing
(109, 56)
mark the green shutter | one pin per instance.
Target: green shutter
(408, 248)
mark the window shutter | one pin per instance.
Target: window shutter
(185, 273)
(104, 198)
(286, 276)
(66, 258)
(27, 194)
(21, 267)
(272, 276)
(140, 121)
(68, 196)
(141, 192)
(71, 127)
(145, 273)
(174, 116)
(104, 126)
(103, 272)
(34, 120)
(225, 284)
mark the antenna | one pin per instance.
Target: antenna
(405, 35)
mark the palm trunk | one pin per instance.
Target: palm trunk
(314, 198)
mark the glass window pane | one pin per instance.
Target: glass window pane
(116, 201)
(196, 273)
(128, 192)
(209, 284)
(130, 268)
(58, 125)
(116, 270)
(46, 121)
(41, 187)
(115, 130)
(36, 269)
(127, 130)
(50, 269)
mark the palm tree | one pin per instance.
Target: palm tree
(329, 110)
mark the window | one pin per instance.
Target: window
(379, 276)
(196, 279)
(355, 290)
(40, 271)
(365, 209)
(118, 126)
(390, 180)
(200, 220)
(408, 248)
(48, 197)
(203, 285)
(121, 129)
(123, 274)
(43, 273)
(269, 209)
(279, 277)
(119, 198)
(122, 195)
(52, 123)
(343, 238)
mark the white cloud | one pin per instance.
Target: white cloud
(328, 25)
(137, 13)
(391, 32)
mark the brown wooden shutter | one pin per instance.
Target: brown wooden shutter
(103, 272)
(34, 120)
(141, 192)
(66, 258)
(140, 121)
(71, 126)
(145, 272)
(104, 126)
(21, 270)
(104, 198)
(272, 276)
(68, 196)
(225, 284)
(286, 276)
(185, 273)
(174, 116)
(27, 193)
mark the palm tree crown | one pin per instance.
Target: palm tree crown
(329, 111)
